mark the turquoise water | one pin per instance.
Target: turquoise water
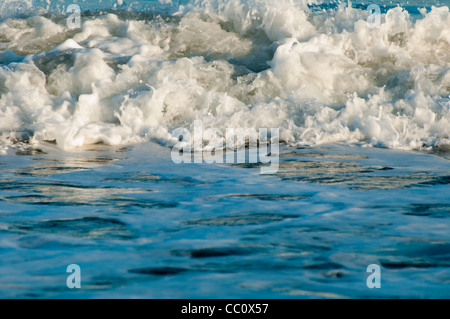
(61, 5)
(87, 177)
(139, 226)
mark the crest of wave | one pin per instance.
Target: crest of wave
(329, 76)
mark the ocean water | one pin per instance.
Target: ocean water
(87, 177)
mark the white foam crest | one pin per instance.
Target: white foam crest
(329, 76)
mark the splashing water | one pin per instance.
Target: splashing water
(86, 177)
(320, 75)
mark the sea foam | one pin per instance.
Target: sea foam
(319, 75)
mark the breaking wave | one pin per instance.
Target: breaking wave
(318, 72)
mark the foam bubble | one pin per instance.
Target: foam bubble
(318, 76)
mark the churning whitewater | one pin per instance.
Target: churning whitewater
(319, 75)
